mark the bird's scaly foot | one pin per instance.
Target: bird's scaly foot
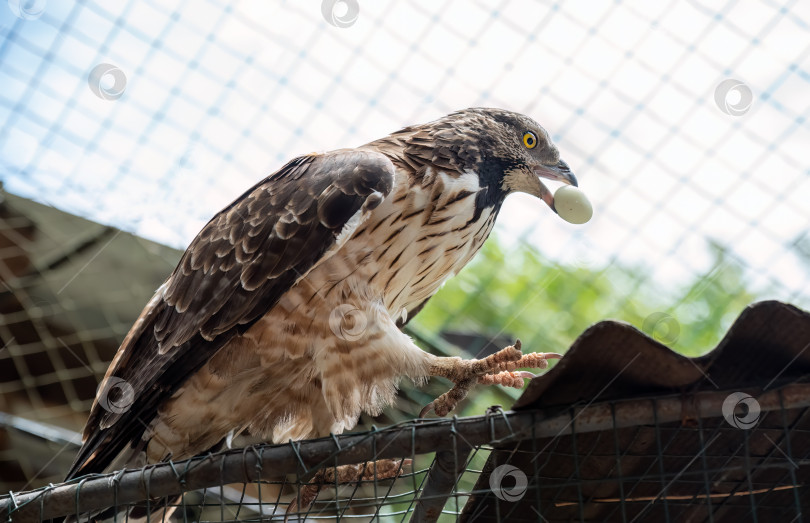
(495, 369)
(342, 475)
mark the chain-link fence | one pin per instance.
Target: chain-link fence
(685, 122)
(610, 461)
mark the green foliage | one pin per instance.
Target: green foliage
(520, 294)
(547, 306)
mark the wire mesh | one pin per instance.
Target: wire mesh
(148, 117)
(630, 460)
(708, 470)
(214, 95)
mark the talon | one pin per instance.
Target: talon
(379, 470)
(499, 368)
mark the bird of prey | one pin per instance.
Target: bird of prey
(284, 315)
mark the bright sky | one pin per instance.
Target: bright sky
(213, 95)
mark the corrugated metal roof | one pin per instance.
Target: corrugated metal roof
(699, 469)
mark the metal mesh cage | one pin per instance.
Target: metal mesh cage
(126, 125)
(632, 460)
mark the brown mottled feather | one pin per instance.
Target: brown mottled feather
(259, 246)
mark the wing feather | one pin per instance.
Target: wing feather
(234, 271)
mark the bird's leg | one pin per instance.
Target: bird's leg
(495, 369)
(344, 474)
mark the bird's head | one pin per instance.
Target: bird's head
(529, 156)
(509, 151)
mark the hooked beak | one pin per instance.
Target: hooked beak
(560, 173)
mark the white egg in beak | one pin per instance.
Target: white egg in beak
(572, 205)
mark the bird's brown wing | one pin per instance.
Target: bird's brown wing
(234, 271)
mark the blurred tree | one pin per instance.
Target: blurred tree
(547, 305)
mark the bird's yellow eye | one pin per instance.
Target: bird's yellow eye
(529, 140)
